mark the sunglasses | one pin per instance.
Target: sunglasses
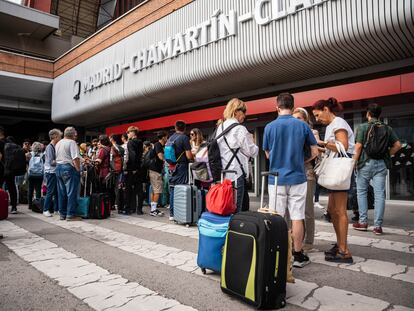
(242, 110)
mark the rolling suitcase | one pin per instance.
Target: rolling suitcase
(255, 258)
(187, 203)
(4, 204)
(212, 231)
(100, 206)
(82, 209)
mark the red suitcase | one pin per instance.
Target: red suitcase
(4, 204)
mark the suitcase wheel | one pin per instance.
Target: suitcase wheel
(203, 271)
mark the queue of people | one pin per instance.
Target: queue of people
(132, 171)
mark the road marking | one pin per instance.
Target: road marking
(386, 230)
(95, 286)
(187, 261)
(192, 232)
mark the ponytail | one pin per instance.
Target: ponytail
(331, 103)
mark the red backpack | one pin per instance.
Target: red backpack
(117, 159)
(220, 199)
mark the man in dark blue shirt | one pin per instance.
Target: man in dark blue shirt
(179, 173)
(284, 141)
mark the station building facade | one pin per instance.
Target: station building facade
(167, 60)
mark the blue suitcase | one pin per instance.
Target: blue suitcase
(82, 209)
(212, 231)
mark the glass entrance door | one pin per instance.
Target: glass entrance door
(402, 173)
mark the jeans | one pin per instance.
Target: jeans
(68, 180)
(35, 184)
(51, 200)
(376, 171)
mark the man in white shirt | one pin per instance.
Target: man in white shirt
(68, 174)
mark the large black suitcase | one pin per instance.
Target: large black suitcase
(255, 259)
(100, 206)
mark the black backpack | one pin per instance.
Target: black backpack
(148, 159)
(17, 162)
(214, 156)
(377, 141)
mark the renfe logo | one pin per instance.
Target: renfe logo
(218, 27)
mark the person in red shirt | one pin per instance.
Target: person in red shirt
(102, 161)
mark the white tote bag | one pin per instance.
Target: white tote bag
(335, 170)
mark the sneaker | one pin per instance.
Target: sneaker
(171, 218)
(62, 217)
(300, 259)
(1, 235)
(156, 213)
(73, 218)
(332, 251)
(167, 206)
(47, 214)
(318, 205)
(360, 227)
(377, 230)
(13, 211)
(139, 212)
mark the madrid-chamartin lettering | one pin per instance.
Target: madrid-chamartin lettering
(219, 27)
(199, 155)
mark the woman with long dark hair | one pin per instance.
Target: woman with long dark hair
(337, 130)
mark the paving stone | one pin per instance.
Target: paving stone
(394, 246)
(344, 300)
(381, 268)
(149, 303)
(407, 277)
(297, 294)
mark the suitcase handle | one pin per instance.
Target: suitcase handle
(264, 175)
(224, 172)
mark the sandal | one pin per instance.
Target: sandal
(339, 257)
(332, 251)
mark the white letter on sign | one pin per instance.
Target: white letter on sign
(260, 19)
(298, 4)
(179, 45)
(227, 24)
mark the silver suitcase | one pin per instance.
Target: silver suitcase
(187, 203)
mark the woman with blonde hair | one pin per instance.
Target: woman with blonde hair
(236, 148)
(302, 114)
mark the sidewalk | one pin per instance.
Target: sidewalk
(397, 214)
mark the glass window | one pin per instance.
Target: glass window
(402, 172)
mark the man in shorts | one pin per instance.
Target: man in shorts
(155, 172)
(284, 141)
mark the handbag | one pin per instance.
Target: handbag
(335, 170)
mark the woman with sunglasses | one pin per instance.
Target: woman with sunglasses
(196, 139)
(236, 148)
